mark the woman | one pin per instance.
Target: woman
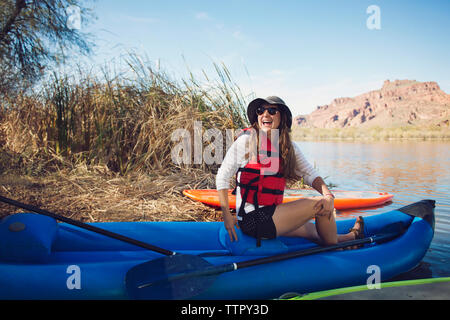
(264, 158)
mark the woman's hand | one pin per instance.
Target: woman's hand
(230, 221)
(325, 206)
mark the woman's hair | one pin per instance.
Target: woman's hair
(286, 149)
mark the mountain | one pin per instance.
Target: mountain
(397, 103)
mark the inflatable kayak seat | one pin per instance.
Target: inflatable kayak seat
(26, 237)
(246, 245)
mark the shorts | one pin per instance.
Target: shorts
(259, 223)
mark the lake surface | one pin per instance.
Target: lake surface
(410, 170)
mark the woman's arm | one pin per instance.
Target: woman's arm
(233, 158)
(313, 179)
(321, 187)
(228, 219)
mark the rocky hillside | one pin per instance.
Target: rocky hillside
(397, 103)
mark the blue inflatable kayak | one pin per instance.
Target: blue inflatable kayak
(43, 259)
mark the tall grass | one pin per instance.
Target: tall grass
(123, 120)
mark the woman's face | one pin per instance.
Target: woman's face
(267, 121)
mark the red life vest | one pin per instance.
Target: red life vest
(261, 182)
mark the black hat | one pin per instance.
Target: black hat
(252, 106)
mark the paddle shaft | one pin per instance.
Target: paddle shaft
(395, 230)
(88, 227)
(306, 252)
(215, 270)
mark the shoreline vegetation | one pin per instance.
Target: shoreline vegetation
(98, 148)
(376, 133)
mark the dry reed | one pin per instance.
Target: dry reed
(96, 194)
(99, 149)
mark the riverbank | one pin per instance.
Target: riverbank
(96, 194)
(372, 133)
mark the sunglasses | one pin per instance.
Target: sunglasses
(272, 110)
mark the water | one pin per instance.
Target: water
(411, 170)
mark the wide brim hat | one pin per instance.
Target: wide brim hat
(274, 100)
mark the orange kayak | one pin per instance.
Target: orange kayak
(343, 200)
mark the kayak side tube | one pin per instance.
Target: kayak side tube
(335, 269)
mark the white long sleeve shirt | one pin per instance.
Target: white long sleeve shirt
(235, 159)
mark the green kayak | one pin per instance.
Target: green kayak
(419, 289)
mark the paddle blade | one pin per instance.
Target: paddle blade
(157, 279)
(423, 209)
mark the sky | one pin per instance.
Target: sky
(306, 52)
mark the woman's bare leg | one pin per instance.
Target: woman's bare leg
(292, 215)
(327, 230)
(292, 219)
(309, 231)
(324, 231)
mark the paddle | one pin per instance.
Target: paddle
(182, 277)
(88, 227)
